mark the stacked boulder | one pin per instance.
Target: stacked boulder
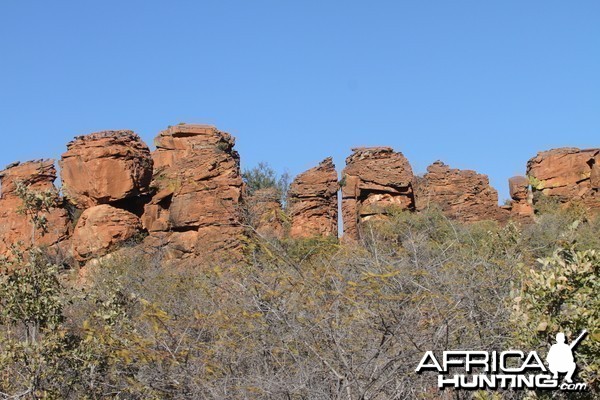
(16, 228)
(195, 207)
(105, 176)
(375, 179)
(313, 202)
(521, 208)
(567, 174)
(464, 195)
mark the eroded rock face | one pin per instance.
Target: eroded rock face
(313, 202)
(265, 213)
(464, 195)
(105, 167)
(16, 227)
(102, 229)
(198, 189)
(38, 175)
(374, 179)
(521, 208)
(567, 174)
(518, 187)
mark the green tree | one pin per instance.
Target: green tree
(263, 176)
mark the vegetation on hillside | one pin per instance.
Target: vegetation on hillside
(303, 319)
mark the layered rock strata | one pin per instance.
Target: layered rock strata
(313, 202)
(195, 209)
(567, 174)
(187, 197)
(464, 195)
(374, 180)
(104, 168)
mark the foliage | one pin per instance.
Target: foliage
(563, 296)
(263, 176)
(30, 294)
(35, 206)
(301, 319)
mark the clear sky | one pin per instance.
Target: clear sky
(478, 84)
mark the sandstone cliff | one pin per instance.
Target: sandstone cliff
(464, 195)
(186, 200)
(567, 174)
(313, 202)
(374, 179)
(195, 208)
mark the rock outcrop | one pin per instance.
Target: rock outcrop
(567, 174)
(197, 192)
(464, 195)
(15, 226)
(374, 180)
(521, 208)
(265, 213)
(187, 200)
(104, 168)
(313, 202)
(101, 229)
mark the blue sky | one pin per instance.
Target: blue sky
(478, 84)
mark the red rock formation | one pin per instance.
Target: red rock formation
(16, 227)
(595, 174)
(265, 214)
(313, 201)
(567, 174)
(105, 167)
(156, 213)
(464, 195)
(101, 229)
(374, 179)
(521, 208)
(198, 188)
(193, 207)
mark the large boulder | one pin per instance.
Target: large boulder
(567, 174)
(105, 167)
(464, 195)
(313, 202)
(16, 226)
(197, 188)
(101, 230)
(375, 179)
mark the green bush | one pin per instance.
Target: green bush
(563, 295)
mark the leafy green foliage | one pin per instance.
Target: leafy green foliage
(563, 295)
(263, 176)
(30, 293)
(35, 206)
